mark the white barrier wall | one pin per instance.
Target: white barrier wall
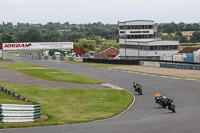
(177, 57)
(197, 56)
(150, 63)
(19, 113)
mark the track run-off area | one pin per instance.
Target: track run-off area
(144, 116)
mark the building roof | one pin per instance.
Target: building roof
(136, 20)
(105, 49)
(189, 50)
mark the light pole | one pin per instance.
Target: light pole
(125, 39)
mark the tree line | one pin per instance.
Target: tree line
(52, 32)
(174, 30)
(100, 34)
(56, 32)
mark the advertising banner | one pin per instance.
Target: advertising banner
(38, 45)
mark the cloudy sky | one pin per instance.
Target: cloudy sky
(105, 11)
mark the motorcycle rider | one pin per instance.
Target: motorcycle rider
(158, 96)
(136, 86)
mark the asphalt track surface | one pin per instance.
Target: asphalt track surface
(145, 116)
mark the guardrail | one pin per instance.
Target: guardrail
(18, 112)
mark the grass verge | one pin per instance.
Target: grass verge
(6, 60)
(48, 74)
(14, 52)
(66, 106)
(6, 99)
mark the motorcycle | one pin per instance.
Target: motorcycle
(138, 88)
(171, 106)
(165, 102)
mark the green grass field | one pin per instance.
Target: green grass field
(48, 74)
(66, 106)
(13, 52)
(6, 60)
(6, 99)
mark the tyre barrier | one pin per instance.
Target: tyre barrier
(18, 112)
(180, 66)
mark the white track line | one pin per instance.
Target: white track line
(152, 75)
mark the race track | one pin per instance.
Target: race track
(145, 116)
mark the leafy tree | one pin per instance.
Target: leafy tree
(74, 29)
(195, 37)
(19, 36)
(71, 36)
(109, 43)
(181, 26)
(171, 27)
(171, 37)
(32, 35)
(7, 38)
(87, 45)
(52, 37)
(183, 39)
(196, 26)
(189, 27)
(178, 33)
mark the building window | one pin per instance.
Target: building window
(164, 47)
(137, 27)
(175, 47)
(152, 48)
(167, 47)
(159, 47)
(139, 36)
(121, 27)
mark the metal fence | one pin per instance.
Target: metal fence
(40, 56)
